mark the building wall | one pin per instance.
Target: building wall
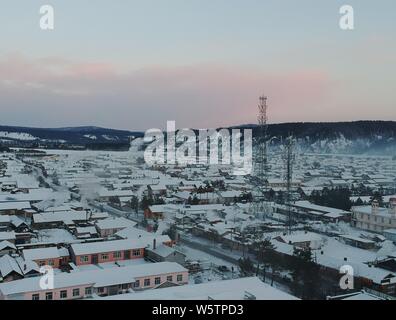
(108, 232)
(111, 257)
(373, 222)
(55, 262)
(163, 278)
(116, 289)
(57, 293)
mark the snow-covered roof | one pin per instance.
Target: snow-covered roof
(33, 195)
(96, 278)
(14, 205)
(8, 265)
(42, 253)
(49, 217)
(90, 230)
(236, 289)
(115, 223)
(6, 244)
(301, 237)
(163, 250)
(307, 205)
(354, 238)
(107, 246)
(7, 235)
(138, 234)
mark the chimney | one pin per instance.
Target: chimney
(154, 244)
(392, 205)
(374, 207)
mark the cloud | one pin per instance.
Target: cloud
(58, 92)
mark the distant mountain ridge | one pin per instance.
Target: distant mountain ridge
(358, 137)
(68, 137)
(324, 137)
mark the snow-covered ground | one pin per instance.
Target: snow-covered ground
(17, 135)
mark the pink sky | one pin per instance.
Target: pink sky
(202, 95)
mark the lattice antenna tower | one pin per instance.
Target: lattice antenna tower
(262, 156)
(289, 159)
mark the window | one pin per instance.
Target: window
(63, 294)
(136, 253)
(100, 290)
(179, 278)
(84, 259)
(169, 278)
(76, 292)
(51, 263)
(146, 282)
(157, 280)
(88, 291)
(136, 284)
(105, 256)
(124, 286)
(48, 296)
(117, 255)
(42, 263)
(36, 297)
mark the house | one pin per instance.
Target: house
(230, 196)
(363, 295)
(162, 253)
(86, 232)
(34, 196)
(155, 212)
(107, 251)
(108, 227)
(7, 247)
(102, 282)
(29, 268)
(9, 269)
(301, 240)
(51, 256)
(12, 208)
(374, 218)
(305, 209)
(357, 242)
(390, 234)
(133, 233)
(48, 220)
(9, 236)
(107, 195)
